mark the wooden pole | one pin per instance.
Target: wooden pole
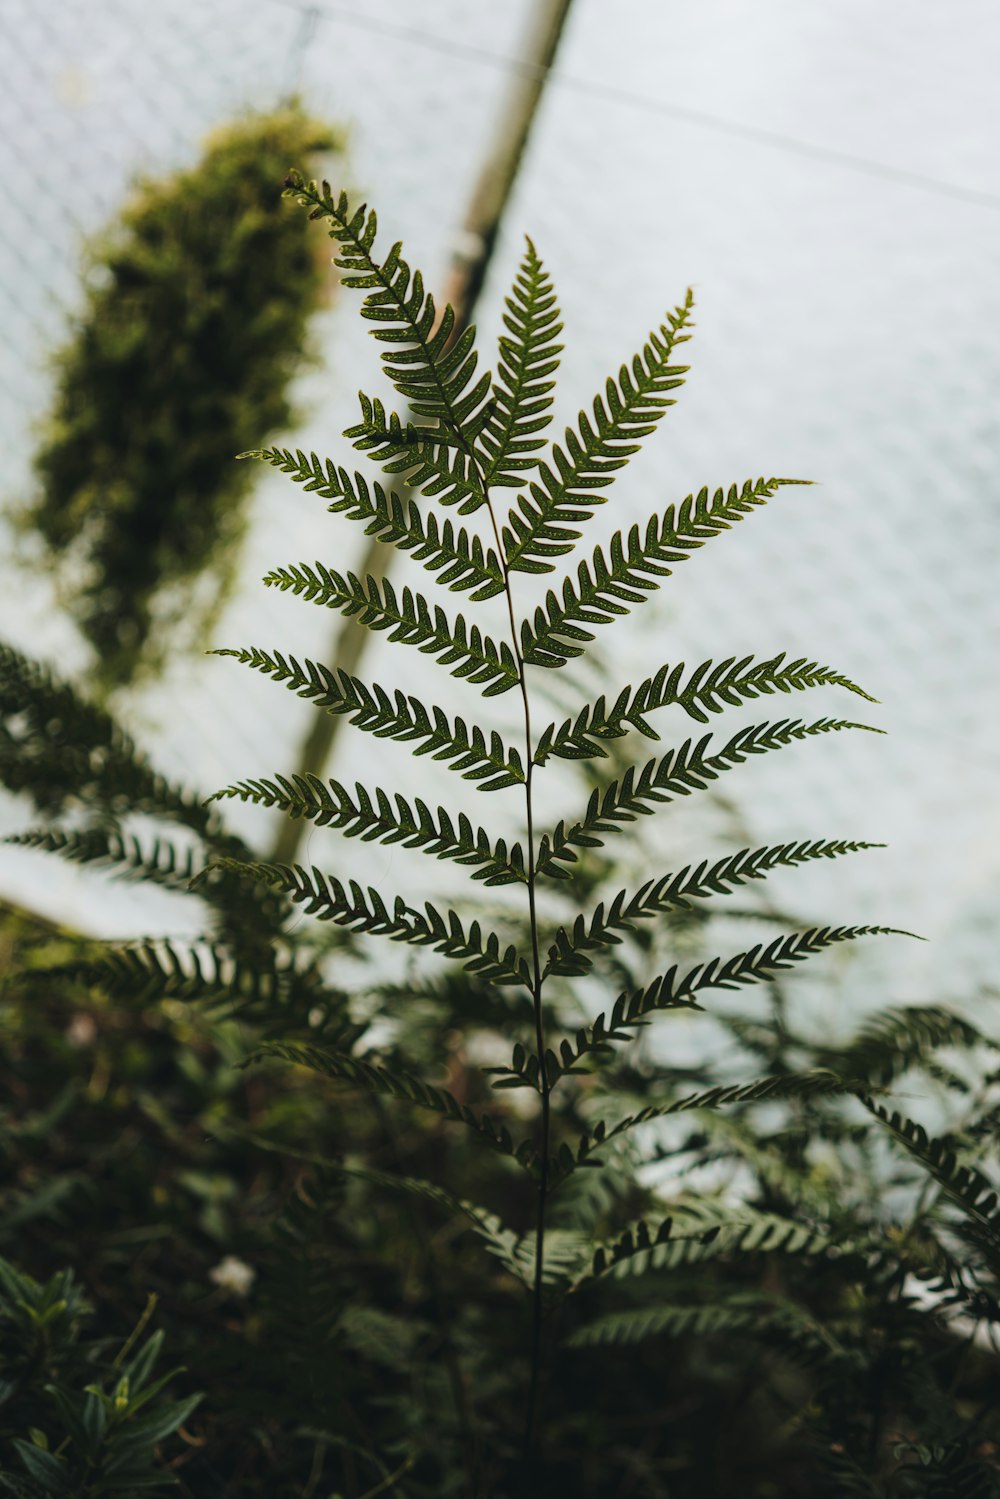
(471, 259)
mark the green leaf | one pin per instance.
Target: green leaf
(430, 459)
(436, 376)
(161, 863)
(390, 1083)
(409, 620)
(44, 1467)
(709, 689)
(673, 991)
(689, 768)
(372, 710)
(818, 1081)
(569, 953)
(459, 560)
(377, 817)
(966, 1185)
(529, 355)
(753, 1313)
(603, 590)
(139, 1436)
(541, 525)
(204, 973)
(692, 1235)
(325, 897)
(62, 750)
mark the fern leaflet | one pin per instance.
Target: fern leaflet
(689, 768)
(390, 1083)
(460, 562)
(327, 898)
(604, 590)
(973, 1192)
(409, 620)
(708, 689)
(379, 818)
(433, 462)
(529, 355)
(371, 709)
(438, 381)
(541, 523)
(673, 992)
(568, 954)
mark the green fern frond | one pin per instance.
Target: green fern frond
(709, 688)
(568, 954)
(205, 973)
(377, 817)
(967, 1187)
(691, 1238)
(325, 897)
(61, 749)
(431, 460)
(753, 1314)
(671, 992)
(162, 862)
(819, 1081)
(541, 523)
(502, 1243)
(409, 620)
(689, 768)
(529, 356)
(890, 1043)
(438, 381)
(604, 590)
(371, 709)
(390, 1083)
(459, 560)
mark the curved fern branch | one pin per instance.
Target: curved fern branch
(371, 709)
(328, 899)
(752, 1313)
(689, 768)
(671, 991)
(818, 1081)
(541, 523)
(377, 817)
(409, 620)
(529, 355)
(568, 954)
(431, 460)
(708, 689)
(966, 1185)
(208, 974)
(692, 1237)
(459, 561)
(388, 1082)
(162, 862)
(438, 381)
(605, 590)
(59, 749)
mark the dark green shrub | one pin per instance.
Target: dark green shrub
(193, 323)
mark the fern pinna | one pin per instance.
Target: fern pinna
(464, 438)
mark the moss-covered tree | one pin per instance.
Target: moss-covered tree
(194, 318)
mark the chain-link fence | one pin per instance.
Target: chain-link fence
(826, 178)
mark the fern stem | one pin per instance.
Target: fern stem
(545, 1087)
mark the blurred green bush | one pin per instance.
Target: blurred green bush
(194, 319)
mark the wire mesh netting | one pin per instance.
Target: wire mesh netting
(827, 180)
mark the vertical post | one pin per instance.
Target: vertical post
(473, 250)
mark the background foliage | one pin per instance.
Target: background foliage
(791, 1261)
(197, 300)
